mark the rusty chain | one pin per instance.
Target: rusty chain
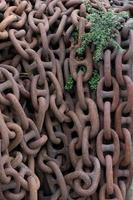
(56, 145)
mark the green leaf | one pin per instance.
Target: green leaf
(93, 82)
(102, 33)
(69, 84)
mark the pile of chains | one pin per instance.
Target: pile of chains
(56, 145)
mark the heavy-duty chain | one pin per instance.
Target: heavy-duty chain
(62, 137)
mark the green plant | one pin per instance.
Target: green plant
(69, 83)
(103, 31)
(85, 41)
(74, 35)
(93, 82)
(130, 26)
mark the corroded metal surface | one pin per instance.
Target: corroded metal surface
(56, 145)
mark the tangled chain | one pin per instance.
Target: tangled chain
(56, 145)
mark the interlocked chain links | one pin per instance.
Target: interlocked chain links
(56, 145)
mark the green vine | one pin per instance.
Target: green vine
(69, 84)
(70, 81)
(102, 34)
(130, 26)
(93, 82)
(74, 35)
(103, 31)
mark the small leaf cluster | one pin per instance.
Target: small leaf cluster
(93, 82)
(74, 35)
(130, 26)
(104, 26)
(85, 41)
(69, 83)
